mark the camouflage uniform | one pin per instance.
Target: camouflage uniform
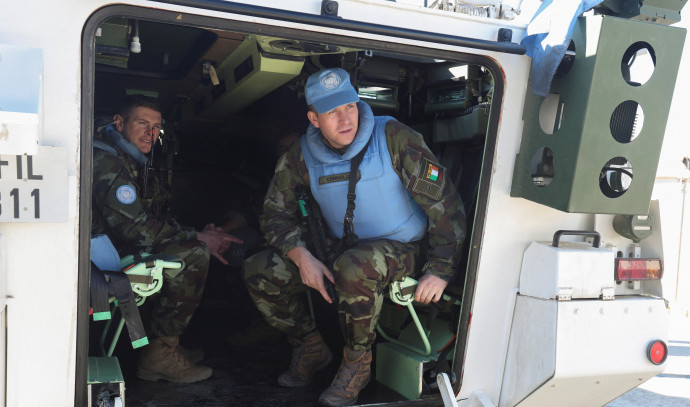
(145, 225)
(363, 272)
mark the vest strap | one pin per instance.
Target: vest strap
(349, 236)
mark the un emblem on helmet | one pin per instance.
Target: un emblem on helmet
(330, 81)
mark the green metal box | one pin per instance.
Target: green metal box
(245, 76)
(593, 145)
(105, 384)
(112, 45)
(403, 369)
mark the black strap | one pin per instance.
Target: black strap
(434, 310)
(120, 287)
(106, 284)
(442, 365)
(350, 238)
(99, 294)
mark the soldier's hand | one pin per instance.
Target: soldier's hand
(217, 241)
(225, 244)
(312, 271)
(430, 288)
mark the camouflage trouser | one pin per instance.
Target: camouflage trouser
(175, 304)
(361, 275)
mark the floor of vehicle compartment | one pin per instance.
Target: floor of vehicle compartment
(244, 374)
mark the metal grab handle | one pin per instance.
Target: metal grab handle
(594, 234)
(422, 334)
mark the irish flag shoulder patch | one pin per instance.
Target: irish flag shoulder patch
(433, 173)
(429, 179)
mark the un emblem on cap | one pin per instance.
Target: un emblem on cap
(330, 81)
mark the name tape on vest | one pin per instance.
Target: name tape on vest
(329, 179)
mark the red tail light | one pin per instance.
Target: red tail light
(657, 352)
(638, 269)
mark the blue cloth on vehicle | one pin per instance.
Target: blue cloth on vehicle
(103, 253)
(547, 38)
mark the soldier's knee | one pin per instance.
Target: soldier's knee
(250, 266)
(357, 266)
(262, 263)
(267, 272)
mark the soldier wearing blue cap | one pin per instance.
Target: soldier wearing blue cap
(402, 195)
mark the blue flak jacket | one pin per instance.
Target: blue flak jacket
(384, 209)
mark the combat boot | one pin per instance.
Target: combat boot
(353, 375)
(162, 359)
(194, 355)
(308, 356)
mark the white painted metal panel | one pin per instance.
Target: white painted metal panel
(506, 237)
(575, 269)
(673, 219)
(599, 350)
(532, 349)
(3, 321)
(511, 225)
(33, 188)
(42, 257)
(3, 276)
(37, 312)
(21, 76)
(42, 280)
(3, 360)
(682, 293)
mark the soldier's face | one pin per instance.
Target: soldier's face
(141, 128)
(339, 126)
(284, 143)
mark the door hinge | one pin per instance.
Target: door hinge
(608, 293)
(565, 294)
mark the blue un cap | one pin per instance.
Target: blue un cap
(328, 89)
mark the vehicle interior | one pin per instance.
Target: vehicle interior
(233, 99)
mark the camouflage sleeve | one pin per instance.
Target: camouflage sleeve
(117, 196)
(279, 219)
(427, 182)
